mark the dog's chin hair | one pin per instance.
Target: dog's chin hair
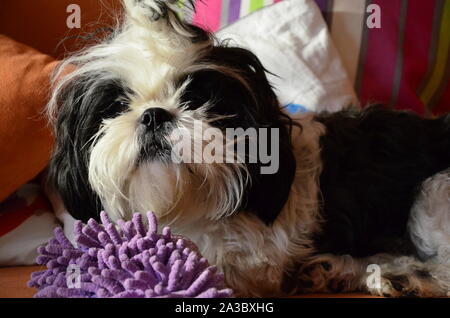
(185, 193)
(182, 193)
(220, 185)
(160, 196)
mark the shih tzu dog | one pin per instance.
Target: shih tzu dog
(351, 190)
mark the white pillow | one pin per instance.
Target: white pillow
(292, 41)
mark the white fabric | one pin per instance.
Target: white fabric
(292, 40)
(19, 246)
(62, 214)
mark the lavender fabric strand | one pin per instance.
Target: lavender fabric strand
(129, 261)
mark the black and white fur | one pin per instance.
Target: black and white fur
(353, 188)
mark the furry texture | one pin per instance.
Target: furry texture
(374, 164)
(340, 199)
(131, 261)
(384, 193)
(430, 218)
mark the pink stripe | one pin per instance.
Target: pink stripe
(207, 14)
(418, 31)
(381, 55)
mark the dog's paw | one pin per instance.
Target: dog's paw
(416, 284)
(393, 286)
(322, 277)
(155, 9)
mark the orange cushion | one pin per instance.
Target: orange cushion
(42, 24)
(39, 25)
(25, 138)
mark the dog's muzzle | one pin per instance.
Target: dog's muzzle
(153, 128)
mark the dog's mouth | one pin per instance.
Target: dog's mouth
(155, 150)
(154, 145)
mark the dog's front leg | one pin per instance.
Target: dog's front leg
(328, 273)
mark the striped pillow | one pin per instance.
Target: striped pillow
(405, 63)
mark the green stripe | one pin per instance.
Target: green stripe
(256, 4)
(432, 52)
(441, 58)
(180, 4)
(441, 90)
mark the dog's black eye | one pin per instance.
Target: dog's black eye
(115, 108)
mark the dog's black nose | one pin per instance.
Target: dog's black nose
(153, 117)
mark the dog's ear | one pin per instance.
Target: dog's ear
(244, 85)
(267, 193)
(77, 121)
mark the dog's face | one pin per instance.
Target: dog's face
(135, 100)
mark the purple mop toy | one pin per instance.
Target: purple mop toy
(128, 261)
